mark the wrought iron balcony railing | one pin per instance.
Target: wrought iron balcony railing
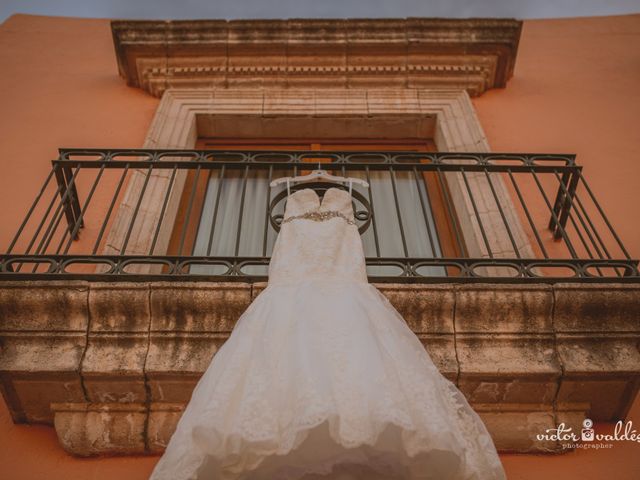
(428, 217)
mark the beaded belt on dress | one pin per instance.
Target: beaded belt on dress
(319, 216)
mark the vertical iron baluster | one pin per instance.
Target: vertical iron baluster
(135, 211)
(57, 216)
(567, 203)
(57, 193)
(70, 205)
(395, 198)
(575, 225)
(187, 217)
(557, 203)
(526, 211)
(604, 217)
(241, 214)
(462, 248)
(593, 228)
(108, 215)
(163, 209)
(568, 243)
(344, 174)
(502, 215)
(372, 213)
(80, 218)
(570, 196)
(74, 200)
(200, 217)
(215, 210)
(266, 212)
(33, 207)
(420, 181)
(477, 214)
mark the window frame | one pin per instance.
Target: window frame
(447, 116)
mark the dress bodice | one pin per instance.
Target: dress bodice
(318, 245)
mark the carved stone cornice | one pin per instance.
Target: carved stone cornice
(471, 54)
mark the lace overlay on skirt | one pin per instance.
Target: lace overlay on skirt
(322, 378)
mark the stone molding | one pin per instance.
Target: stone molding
(472, 54)
(447, 116)
(111, 365)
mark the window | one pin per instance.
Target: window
(222, 216)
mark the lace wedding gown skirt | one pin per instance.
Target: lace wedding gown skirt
(322, 378)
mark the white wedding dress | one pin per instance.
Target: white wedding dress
(322, 378)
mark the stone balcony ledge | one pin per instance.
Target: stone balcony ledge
(111, 365)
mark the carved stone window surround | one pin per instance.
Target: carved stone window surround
(447, 116)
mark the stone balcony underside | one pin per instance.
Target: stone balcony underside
(111, 365)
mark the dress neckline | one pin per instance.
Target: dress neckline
(319, 203)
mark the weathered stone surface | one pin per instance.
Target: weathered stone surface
(149, 344)
(119, 307)
(599, 354)
(43, 306)
(609, 398)
(515, 429)
(94, 429)
(507, 368)
(507, 354)
(597, 307)
(189, 323)
(471, 54)
(425, 308)
(198, 306)
(257, 288)
(505, 344)
(504, 308)
(442, 351)
(176, 362)
(113, 365)
(598, 333)
(163, 418)
(29, 395)
(43, 329)
(571, 415)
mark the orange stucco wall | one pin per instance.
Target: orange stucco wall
(59, 87)
(575, 89)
